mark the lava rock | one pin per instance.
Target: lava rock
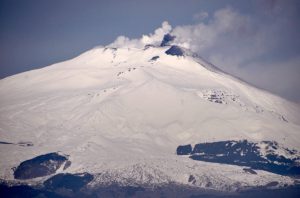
(69, 181)
(39, 166)
(167, 39)
(25, 191)
(154, 58)
(1, 142)
(249, 170)
(67, 165)
(175, 51)
(184, 150)
(244, 153)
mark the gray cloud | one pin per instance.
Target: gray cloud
(281, 78)
(262, 48)
(200, 16)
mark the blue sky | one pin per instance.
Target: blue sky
(255, 40)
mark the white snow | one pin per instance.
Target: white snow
(113, 110)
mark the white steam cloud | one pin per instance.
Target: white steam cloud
(255, 47)
(151, 39)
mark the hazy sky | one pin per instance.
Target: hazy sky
(258, 41)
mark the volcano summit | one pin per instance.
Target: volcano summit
(143, 119)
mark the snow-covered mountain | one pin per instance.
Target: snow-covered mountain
(121, 114)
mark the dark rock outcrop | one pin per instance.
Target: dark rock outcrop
(69, 181)
(67, 165)
(25, 191)
(154, 58)
(184, 150)
(39, 166)
(175, 51)
(1, 142)
(244, 153)
(249, 170)
(168, 190)
(167, 39)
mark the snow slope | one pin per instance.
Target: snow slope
(121, 112)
